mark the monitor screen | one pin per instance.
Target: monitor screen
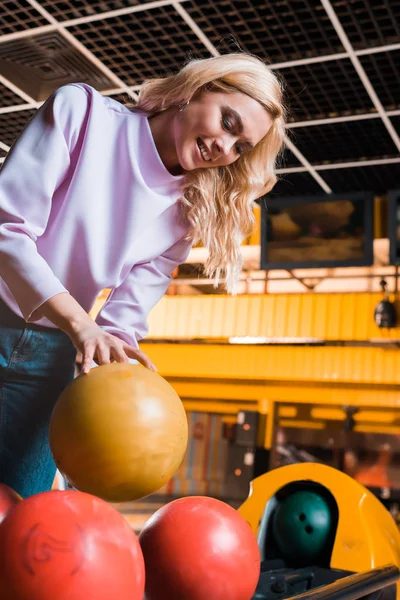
(394, 226)
(329, 230)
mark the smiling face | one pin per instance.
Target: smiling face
(216, 128)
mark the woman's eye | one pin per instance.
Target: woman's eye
(227, 123)
(239, 149)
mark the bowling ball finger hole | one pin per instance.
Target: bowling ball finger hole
(309, 529)
(302, 517)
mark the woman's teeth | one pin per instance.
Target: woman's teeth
(203, 150)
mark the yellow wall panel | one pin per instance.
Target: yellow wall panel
(228, 397)
(255, 237)
(255, 307)
(213, 406)
(334, 394)
(278, 363)
(344, 317)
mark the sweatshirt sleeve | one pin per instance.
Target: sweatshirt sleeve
(126, 310)
(33, 170)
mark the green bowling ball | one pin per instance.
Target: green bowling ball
(301, 526)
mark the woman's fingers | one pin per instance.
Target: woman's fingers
(140, 356)
(109, 348)
(87, 357)
(102, 354)
(99, 353)
(118, 354)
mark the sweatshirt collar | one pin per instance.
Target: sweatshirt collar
(154, 165)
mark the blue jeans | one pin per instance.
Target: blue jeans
(36, 364)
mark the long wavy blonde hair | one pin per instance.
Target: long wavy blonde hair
(219, 201)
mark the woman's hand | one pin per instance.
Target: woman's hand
(88, 338)
(102, 347)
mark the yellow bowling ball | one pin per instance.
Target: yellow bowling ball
(119, 432)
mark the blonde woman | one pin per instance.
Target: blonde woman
(95, 194)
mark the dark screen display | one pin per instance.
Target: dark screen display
(318, 232)
(394, 226)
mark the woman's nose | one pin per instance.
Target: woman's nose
(223, 146)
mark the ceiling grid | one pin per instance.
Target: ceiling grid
(339, 59)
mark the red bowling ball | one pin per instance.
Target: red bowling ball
(199, 548)
(67, 545)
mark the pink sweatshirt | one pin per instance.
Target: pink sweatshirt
(86, 204)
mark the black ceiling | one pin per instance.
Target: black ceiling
(351, 149)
